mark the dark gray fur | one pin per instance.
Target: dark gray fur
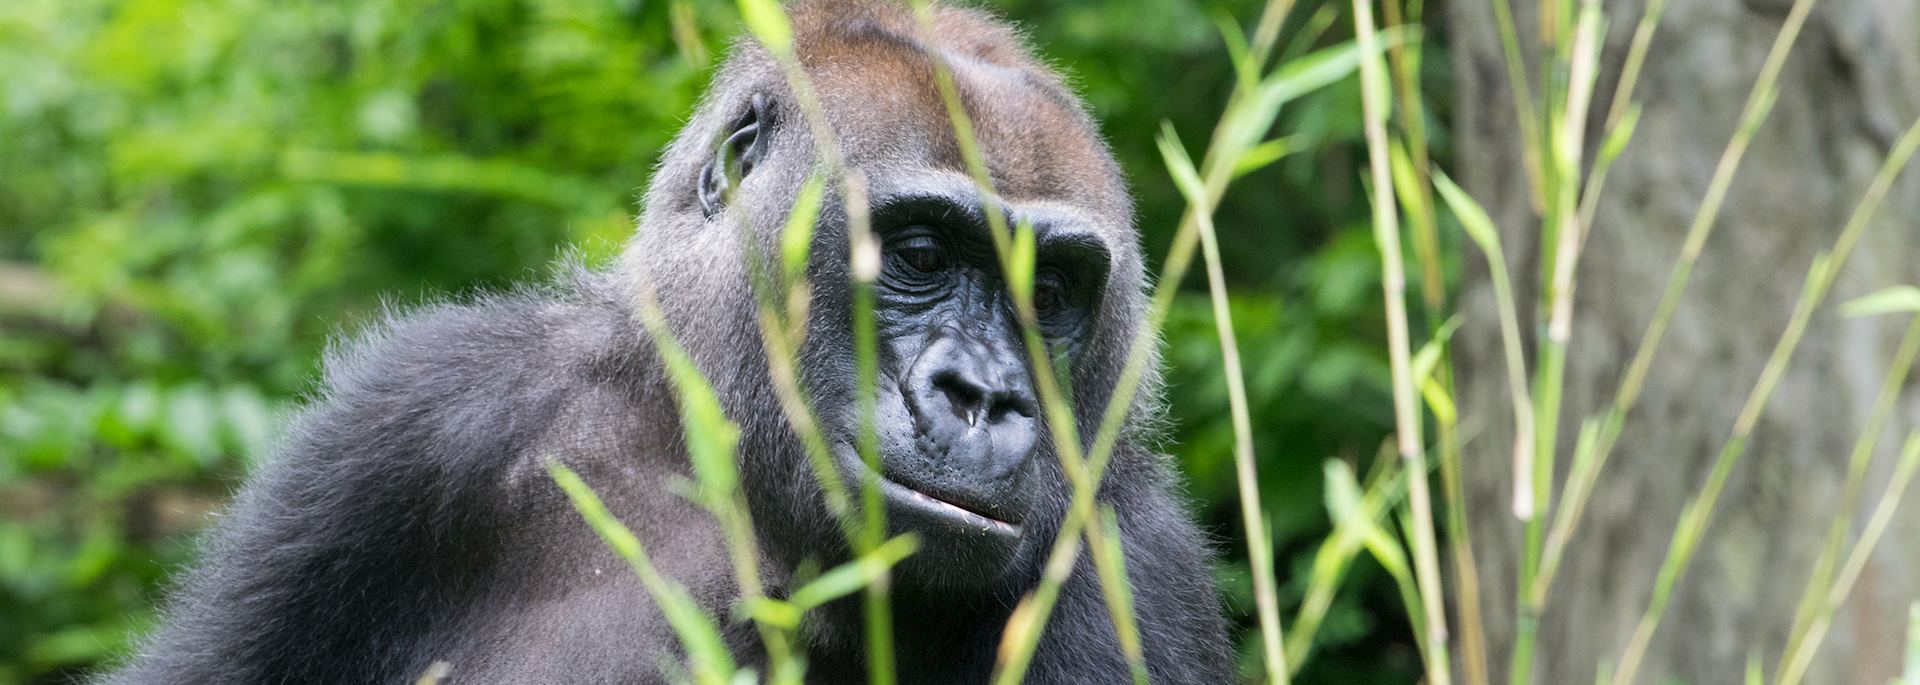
(406, 518)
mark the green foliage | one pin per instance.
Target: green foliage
(196, 195)
(1904, 298)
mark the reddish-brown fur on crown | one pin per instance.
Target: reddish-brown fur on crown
(874, 65)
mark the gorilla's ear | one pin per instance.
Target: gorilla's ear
(746, 144)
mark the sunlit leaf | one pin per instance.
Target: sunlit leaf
(1244, 67)
(1343, 490)
(1621, 134)
(1324, 67)
(1904, 298)
(1185, 176)
(851, 576)
(797, 240)
(768, 22)
(1020, 263)
(1472, 217)
(1259, 156)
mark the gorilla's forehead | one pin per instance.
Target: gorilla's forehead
(876, 79)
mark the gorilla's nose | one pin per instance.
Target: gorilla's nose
(976, 404)
(973, 399)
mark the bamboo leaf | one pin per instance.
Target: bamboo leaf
(1903, 298)
(710, 437)
(1440, 401)
(686, 32)
(1343, 492)
(1020, 262)
(797, 240)
(1185, 177)
(1324, 67)
(1112, 567)
(850, 577)
(1250, 119)
(768, 22)
(1424, 362)
(1621, 134)
(1407, 184)
(1428, 358)
(1244, 68)
(435, 673)
(1259, 156)
(1473, 218)
(774, 612)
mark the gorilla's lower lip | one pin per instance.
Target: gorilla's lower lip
(908, 496)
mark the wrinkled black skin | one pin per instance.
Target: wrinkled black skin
(407, 518)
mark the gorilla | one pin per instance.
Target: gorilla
(407, 517)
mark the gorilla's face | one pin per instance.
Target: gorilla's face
(965, 455)
(960, 423)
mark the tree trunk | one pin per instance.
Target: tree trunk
(1850, 88)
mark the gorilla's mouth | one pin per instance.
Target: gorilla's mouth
(943, 509)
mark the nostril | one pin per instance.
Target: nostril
(1006, 405)
(963, 398)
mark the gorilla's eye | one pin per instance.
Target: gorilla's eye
(1050, 291)
(922, 252)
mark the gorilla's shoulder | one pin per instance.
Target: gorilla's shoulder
(453, 385)
(574, 326)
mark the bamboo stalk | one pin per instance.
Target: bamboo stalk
(1857, 463)
(1393, 283)
(1802, 655)
(1759, 101)
(1695, 516)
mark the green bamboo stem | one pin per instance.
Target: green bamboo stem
(1522, 102)
(1266, 595)
(1759, 102)
(1801, 656)
(769, 24)
(1696, 515)
(1031, 615)
(1857, 463)
(1406, 412)
(1617, 110)
(1564, 238)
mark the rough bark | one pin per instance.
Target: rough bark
(1851, 87)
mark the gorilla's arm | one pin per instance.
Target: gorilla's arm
(376, 517)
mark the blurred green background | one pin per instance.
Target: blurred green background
(196, 196)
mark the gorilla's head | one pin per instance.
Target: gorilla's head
(967, 459)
